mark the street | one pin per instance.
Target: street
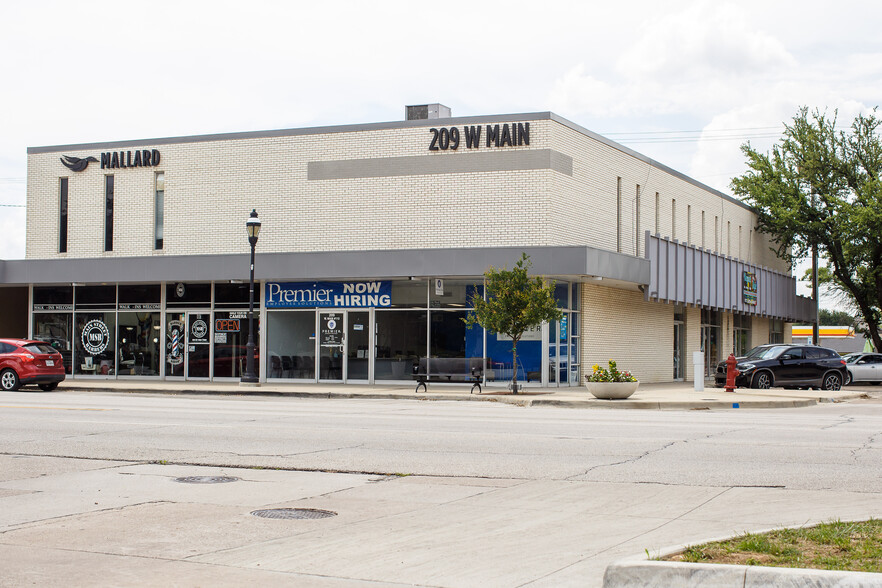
(425, 493)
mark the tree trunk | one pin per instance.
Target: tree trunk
(514, 372)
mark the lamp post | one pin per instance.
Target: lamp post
(253, 228)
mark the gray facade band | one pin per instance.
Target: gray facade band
(550, 261)
(347, 169)
(685, 274)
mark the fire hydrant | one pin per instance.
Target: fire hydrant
(731, 372)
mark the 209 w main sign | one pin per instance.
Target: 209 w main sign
(505, 135)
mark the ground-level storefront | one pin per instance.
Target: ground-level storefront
(343, 331)
(373, 316)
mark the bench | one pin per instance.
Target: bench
(449, 369)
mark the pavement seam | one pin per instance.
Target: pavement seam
(29, 524)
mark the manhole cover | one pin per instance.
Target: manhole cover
(206, 479)
(293, 513)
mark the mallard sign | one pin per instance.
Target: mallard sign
(115, 159)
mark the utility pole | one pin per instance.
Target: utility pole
(815, 326)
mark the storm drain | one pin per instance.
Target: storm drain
(294, 513)
(206, 479)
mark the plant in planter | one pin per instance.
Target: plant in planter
(610, 383)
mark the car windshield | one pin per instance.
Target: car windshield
(765, 352)
(853, 358)
(40, 348)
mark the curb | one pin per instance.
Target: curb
(645, 574)
(523, 400)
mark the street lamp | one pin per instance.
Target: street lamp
(253, 228)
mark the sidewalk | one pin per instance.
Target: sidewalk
(670, 396)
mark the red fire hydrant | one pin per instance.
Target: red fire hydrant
(731, 372)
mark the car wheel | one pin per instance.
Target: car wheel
(9, 380)
(848, 379)
(762, 381)
(48, 387)
(832, 382)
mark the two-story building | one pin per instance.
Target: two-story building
(374, 240)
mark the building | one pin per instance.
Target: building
(375, 237)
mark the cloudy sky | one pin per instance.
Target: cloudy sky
(685, 82)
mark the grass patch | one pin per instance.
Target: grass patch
(846, 546)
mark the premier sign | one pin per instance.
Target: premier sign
(328, 294)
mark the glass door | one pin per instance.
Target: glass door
(678, 350)
(198, 345)
(710, 346)
(358, 339)
(331, 346)
(187, 344)
(560, 352)
(175, 344)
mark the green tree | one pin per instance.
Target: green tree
(834, 318)
(514, 303)
(822, 186)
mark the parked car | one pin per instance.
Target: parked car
(863, 367)
(790, 366)
(23, 361)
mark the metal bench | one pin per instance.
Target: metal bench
(449, 369)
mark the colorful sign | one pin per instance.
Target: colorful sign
(749, 284)
(328, 294)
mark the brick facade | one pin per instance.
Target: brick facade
(361, 188)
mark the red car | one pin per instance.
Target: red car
(29, 362)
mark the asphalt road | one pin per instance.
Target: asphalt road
(457, 493)
(831, 446)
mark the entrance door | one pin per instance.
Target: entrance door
(358, 331)
(710, 337)
(678, 351)
(187, 344)
(561, 355)
(331, 346)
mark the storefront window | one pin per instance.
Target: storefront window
(182, 294)
(139, 297)
(450, 337)
(410, 294)
(53, 297)
(95, 343)
(562, 294)
(139, 338)
(401, 342)
(235, 295)
(96, 297)
(741, 333)
(500, 362)
(54, 329)
(453, 293)
(290, 340)
(776, 331)
(230, 340)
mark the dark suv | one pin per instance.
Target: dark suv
(790, 366)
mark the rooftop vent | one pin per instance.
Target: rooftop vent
(426, 111)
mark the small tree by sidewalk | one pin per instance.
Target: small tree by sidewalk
(514, 303)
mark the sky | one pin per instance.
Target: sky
(684, 82)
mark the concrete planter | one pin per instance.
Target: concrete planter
(612, 390)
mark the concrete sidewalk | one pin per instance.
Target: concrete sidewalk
(670, 396)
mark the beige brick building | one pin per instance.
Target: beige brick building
(374, 237)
